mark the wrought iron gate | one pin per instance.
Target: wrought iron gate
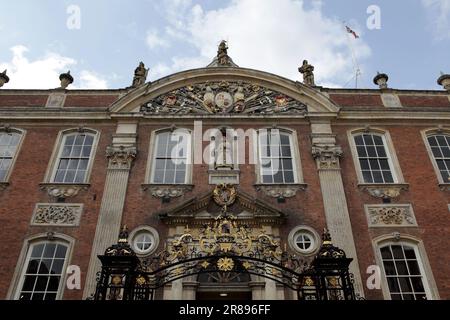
(223, 247)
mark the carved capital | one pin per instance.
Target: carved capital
(63, 190)
(167, 190)
(327, 157)
(385, 191)
(400, 215)
(280, 190)
(56, 214)
(120, 157)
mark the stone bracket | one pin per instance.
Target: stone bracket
(62, 190)
(4, 185)
(167, 190)
(390, 215)
(280, 190)
(444, 186)
(384, 191)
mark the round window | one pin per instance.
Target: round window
(144, 240)
(304, 240)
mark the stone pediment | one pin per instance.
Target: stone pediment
(199, 210)
(223, 98)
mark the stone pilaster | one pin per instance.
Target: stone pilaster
(120, 158)
(327, 155)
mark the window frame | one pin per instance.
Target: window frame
(421, 257)
(295, 156)
(151, 162)
(22, 134)
(137, 231)
(20, 269)
(314, 236)
(425, 135)
(390, 153)
(57, 151)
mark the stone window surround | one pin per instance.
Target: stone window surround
(297, 166)
(151, 152)
(60, 189)
(383, 190)
(145, 228)
(422, 258)
(316, 240)
(17, 279)
(431, 131)
(22, 133)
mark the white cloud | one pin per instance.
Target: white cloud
(439, 16)
(270, 35)
(90, 79)
(43, 72)
(154, 40)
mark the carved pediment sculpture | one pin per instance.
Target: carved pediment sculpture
(223, 98)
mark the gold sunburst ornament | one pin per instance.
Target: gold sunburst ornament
(225, 264)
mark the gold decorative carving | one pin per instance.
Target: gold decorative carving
(225, 264)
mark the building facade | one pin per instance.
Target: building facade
(370, 165)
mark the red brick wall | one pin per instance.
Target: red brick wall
(23, 100)
(424, 101)
(430, 204)
(361, 100)
(20, 197)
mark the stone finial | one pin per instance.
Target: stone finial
(444, 81)
(140, 75)
(3, 78)
(307, 71)
(66, 79)
(381, 80)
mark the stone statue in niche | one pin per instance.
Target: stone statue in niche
(308, 73)
(140, 75)
(223, 153)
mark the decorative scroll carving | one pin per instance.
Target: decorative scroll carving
(280, 191)
(63, 190)
(223, 97)
(57, 214)
(390, 215)
(385, 191)
(164, 190)
(4, 185)
(120, 157)
(327, 157)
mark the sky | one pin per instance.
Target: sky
(102, 41)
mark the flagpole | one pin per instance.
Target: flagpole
(355, 61)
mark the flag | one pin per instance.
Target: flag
(352, 32)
